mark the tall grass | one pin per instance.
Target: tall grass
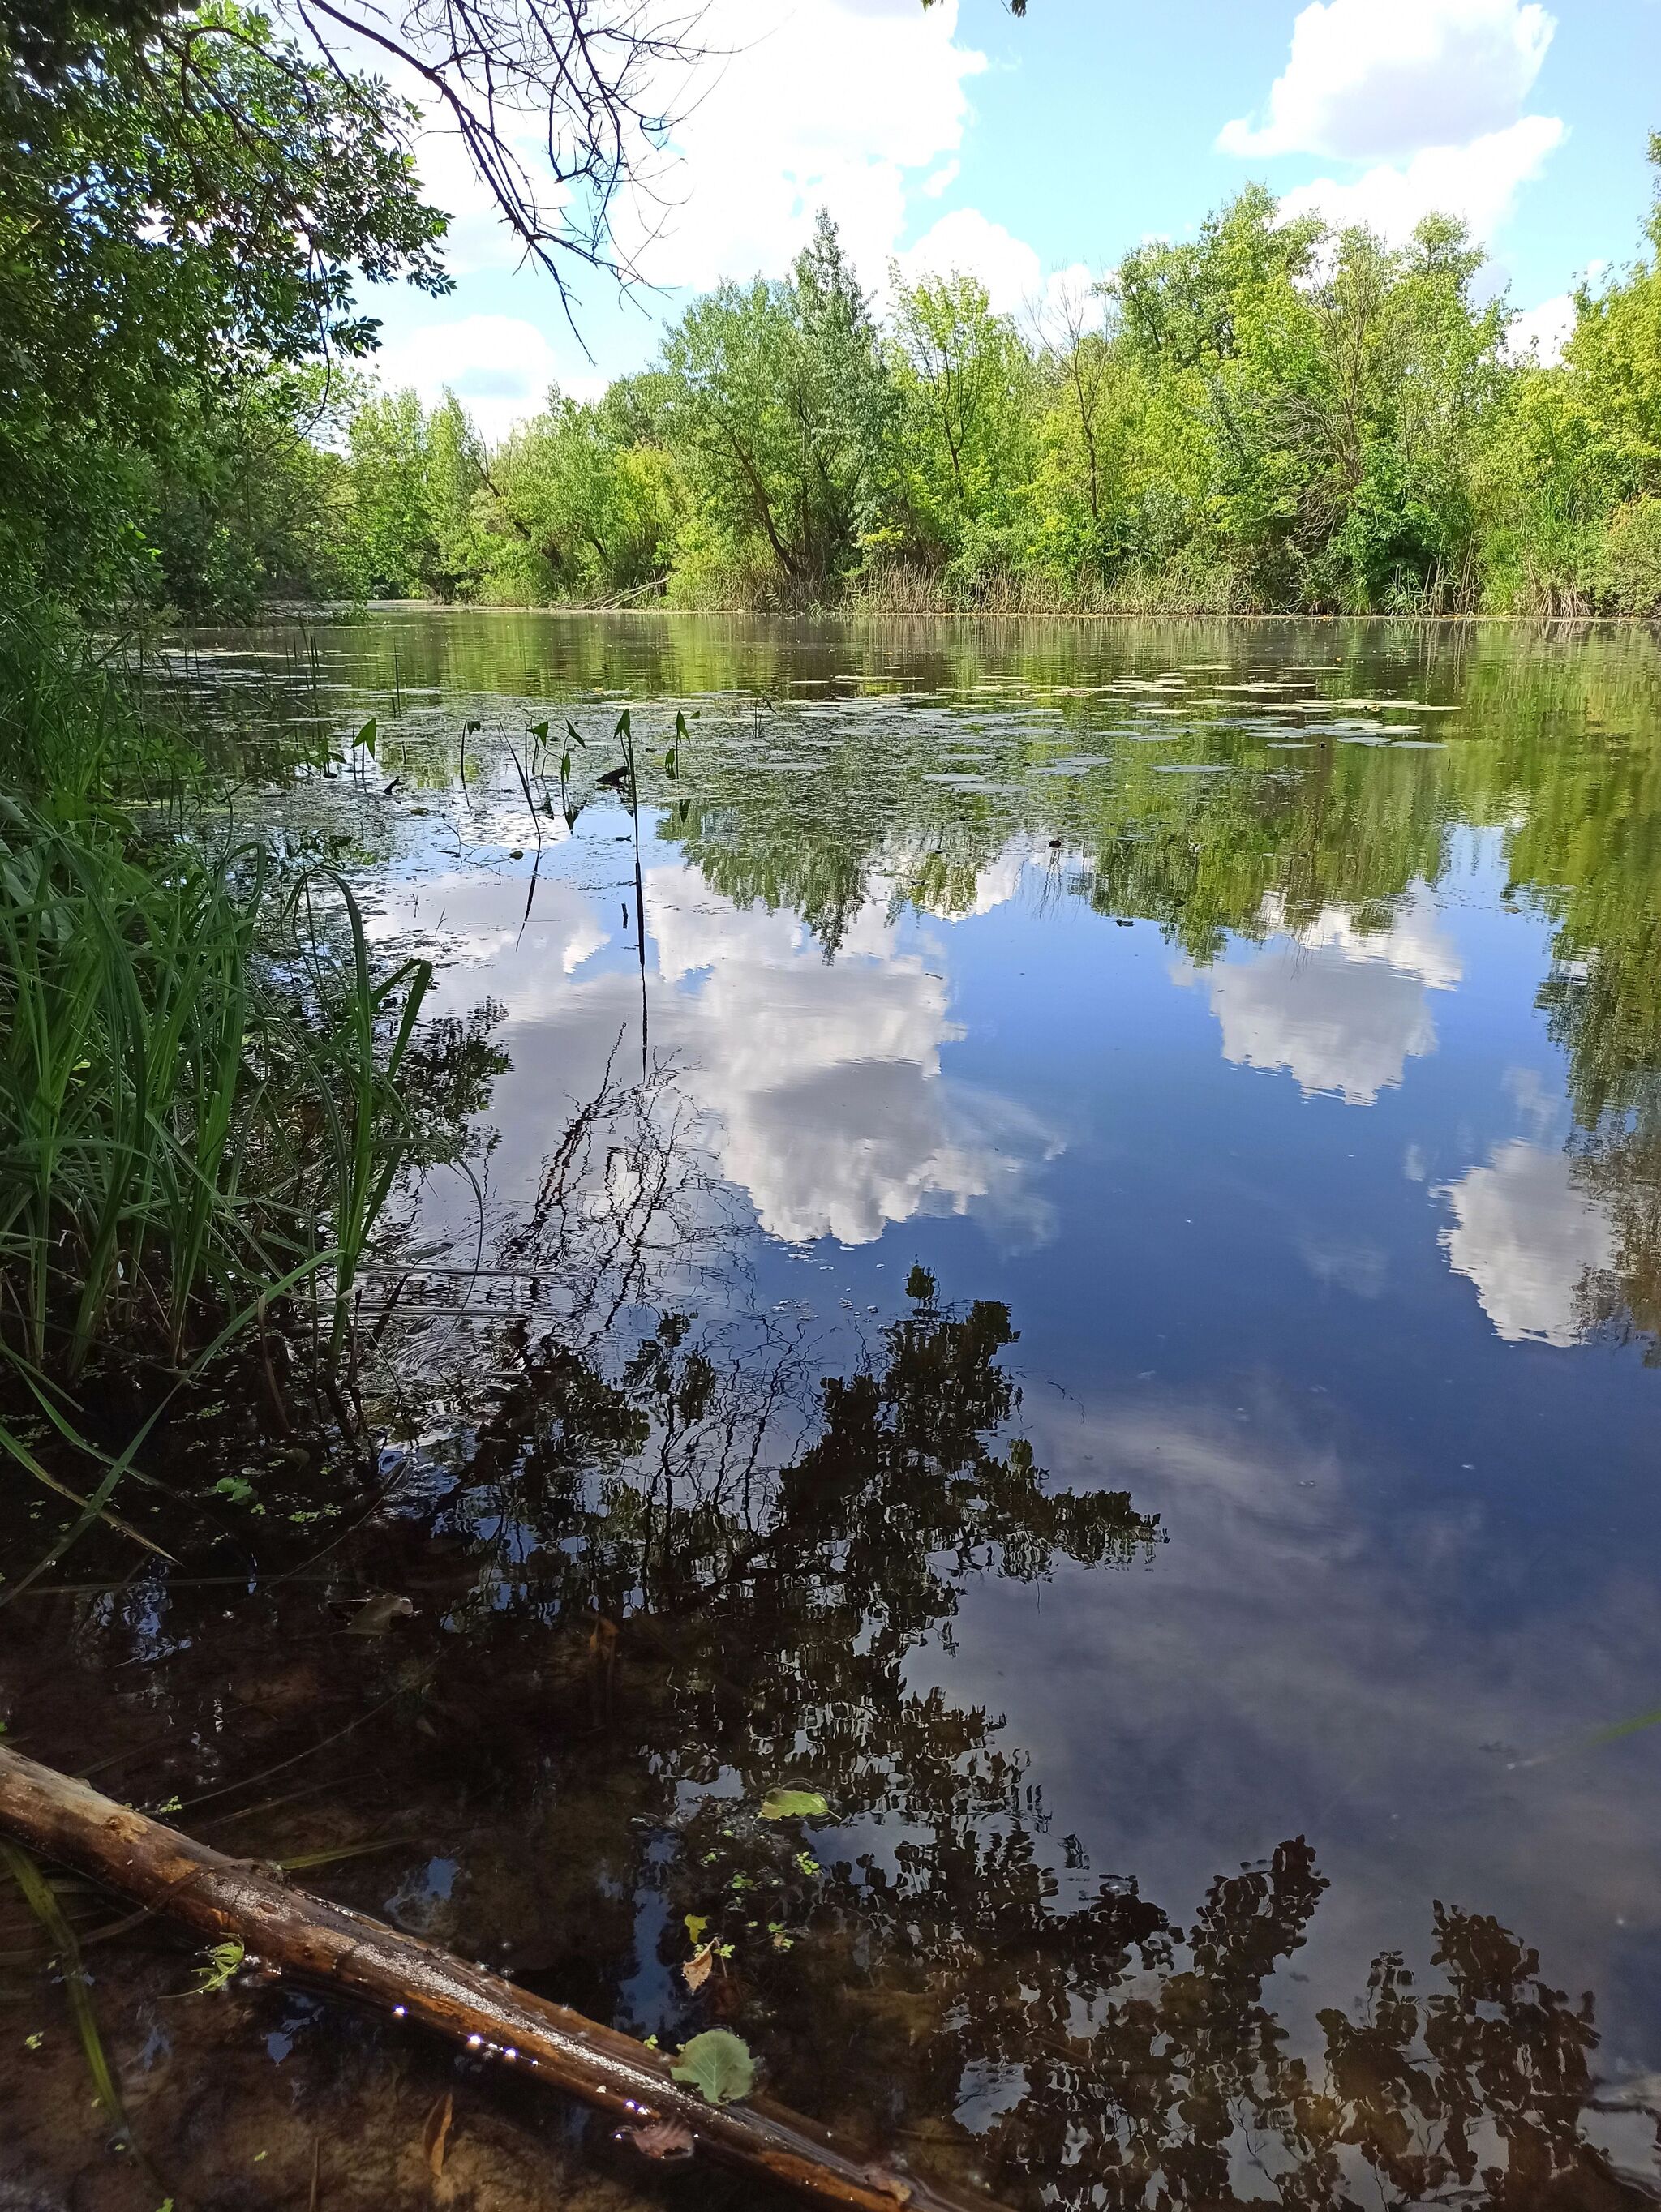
(203, 1116)
(74, 730)
(198, 1094)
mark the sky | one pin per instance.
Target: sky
(1032, 151)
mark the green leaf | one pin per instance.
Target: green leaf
(366, 736)
(793, 1805)
(719, 2066)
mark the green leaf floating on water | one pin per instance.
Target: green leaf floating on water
(719, 2066)
(793, 1805)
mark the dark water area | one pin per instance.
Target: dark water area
(1068, 1254)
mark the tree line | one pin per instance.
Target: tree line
(1275, 415)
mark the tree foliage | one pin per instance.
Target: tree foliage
(1274, 415)
(180, 223)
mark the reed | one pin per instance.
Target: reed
(201, 1112)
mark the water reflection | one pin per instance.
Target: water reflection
(820, 1085)
(825, 1079)
(1341, 1008)
(1527, 1236)
(1339, 1566)
(665, 1609)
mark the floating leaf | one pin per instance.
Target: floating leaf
(695, 1925)
(699, 1967)
(793, 1804)
(719, 2066)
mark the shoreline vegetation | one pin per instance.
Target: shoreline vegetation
(856, 610)
(1275, 418)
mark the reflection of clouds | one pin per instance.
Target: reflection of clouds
(996, 884)
(1340, 1009)
(484, 917)
(1526, 1238)
(1358, 1265)
(1305, 1656)
(819, 1083)
(825, 1078)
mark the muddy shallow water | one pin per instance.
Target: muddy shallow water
(1066, 1253)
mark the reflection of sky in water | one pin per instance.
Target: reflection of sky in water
(1526, 1238)
(1238, 1213)
(820, 1085)
(1296, 1257)
(1340, 1009)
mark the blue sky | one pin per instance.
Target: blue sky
(1035, 151)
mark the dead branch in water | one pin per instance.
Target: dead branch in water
(333, 1949)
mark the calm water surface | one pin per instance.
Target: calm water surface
(1100, 1311)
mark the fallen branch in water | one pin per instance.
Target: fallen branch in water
(333, 1949)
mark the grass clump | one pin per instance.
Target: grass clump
(205, 1085)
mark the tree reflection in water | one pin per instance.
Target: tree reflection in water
(673, 1565)
(934, 1968)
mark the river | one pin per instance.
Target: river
(1061, 1248)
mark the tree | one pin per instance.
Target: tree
(417, 479)
(776, 402)
(967, 387)
(175, 223)
(595, 82)
(260, 502)
(584, 501)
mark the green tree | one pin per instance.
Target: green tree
(416, 480)
(776, 404)
(967, 450)
(260, 504)
(584, 501)
(177, 219)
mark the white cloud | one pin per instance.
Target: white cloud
(1527, 1239)
(824, 1083)
(1364, 80)
(827, 103)
(498, 366)
(1477, 182)
(1543, 331)
(816, 1089)
(1341, 1009)
(858, 106)
(969, 243)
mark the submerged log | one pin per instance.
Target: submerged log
(331, 1947)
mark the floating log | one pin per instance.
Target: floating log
(332, 1949)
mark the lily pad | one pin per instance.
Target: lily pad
(719, 2066)
(793, 1804)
